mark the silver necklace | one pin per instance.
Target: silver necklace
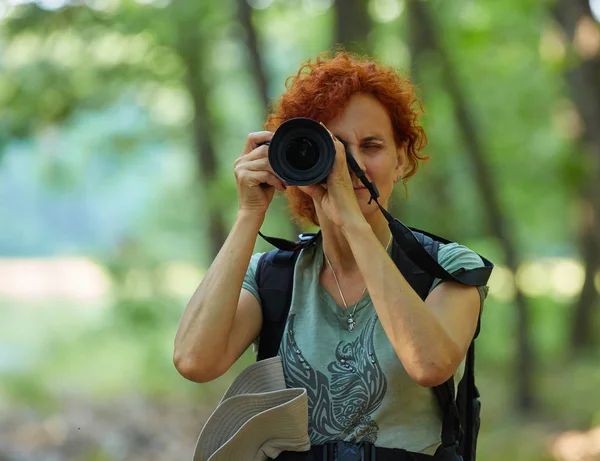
(351, 321)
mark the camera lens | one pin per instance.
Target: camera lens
(302, 154)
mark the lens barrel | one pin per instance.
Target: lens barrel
(301, 152)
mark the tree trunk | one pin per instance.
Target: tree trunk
(205, 155)
(257, 66)
(583, 81)
(438, 181)
(258, 69)
(353, 25)
(189, 46)
(421, 17)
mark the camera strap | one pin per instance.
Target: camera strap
(408, 242)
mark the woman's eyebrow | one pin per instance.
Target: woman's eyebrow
(372, 138)
(365, 139)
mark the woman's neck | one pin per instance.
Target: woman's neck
(337, 248)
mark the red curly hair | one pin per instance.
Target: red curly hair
(321, 90)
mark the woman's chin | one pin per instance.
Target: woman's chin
(366, 208)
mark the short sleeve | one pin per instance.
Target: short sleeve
(250, 277)
(250, 284)
(452, 257)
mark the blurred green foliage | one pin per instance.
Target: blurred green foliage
(97, 158)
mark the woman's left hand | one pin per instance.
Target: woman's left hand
(337, 198)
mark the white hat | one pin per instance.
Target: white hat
(257, 418)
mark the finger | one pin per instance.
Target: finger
(261, 164)
(259, 152)
(340, 149)
(336, 142)
(253, 140)
(257, 160)
(265, 177)
(325, 126)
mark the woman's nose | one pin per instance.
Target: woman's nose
(359, 158)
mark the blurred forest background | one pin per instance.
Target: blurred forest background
(120, 121)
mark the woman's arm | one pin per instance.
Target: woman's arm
(431, 338)
(222, 319)
(218, 323)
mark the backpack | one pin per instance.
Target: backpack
(418, 264)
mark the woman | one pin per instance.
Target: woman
(373, 379)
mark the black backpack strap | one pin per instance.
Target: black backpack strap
(469, 407)
(427, 260)
(275, 278)
(459, 410)
(452, 430)
(460, 414)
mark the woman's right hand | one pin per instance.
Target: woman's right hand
(255, 179)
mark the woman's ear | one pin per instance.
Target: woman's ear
(401, 159)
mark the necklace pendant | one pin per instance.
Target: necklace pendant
(351, 323)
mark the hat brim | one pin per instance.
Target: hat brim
(278, 422)
(256, 418)
(262, 376)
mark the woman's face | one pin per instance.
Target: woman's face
(365, 128)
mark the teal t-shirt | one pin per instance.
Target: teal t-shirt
(357, 387)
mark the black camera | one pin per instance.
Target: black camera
(301, 152)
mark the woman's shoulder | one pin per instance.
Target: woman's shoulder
(250, 277)
(255, 259)
(453, 256)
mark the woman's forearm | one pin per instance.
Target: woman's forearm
(421, 343)
(205, 326)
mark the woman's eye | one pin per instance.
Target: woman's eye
(372, 147)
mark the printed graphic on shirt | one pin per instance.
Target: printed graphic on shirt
(341, 404)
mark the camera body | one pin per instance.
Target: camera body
(301, 152)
